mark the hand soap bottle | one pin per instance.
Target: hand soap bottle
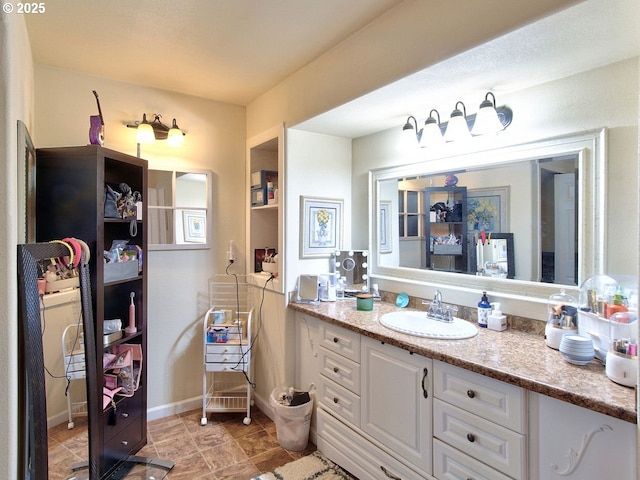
(484, 310)
(497, 321)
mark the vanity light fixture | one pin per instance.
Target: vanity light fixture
(148, 132)
(432, 132)
(489, 120)
(457, 129)
(410, 134)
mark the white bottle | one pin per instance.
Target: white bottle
(497, 321)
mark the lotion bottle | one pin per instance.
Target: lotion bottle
(131, 329)
(484, 310)
(497, 321)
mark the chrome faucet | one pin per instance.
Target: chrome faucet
(439, 311)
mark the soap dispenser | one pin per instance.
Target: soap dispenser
(484, 309)
(497, 321)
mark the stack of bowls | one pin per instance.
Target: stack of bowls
(577, 349)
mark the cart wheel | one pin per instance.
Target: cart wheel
(203, 421)
(252, 402)
(70, 425)
(247, 420)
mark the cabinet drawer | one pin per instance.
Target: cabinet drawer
(126, 442)
(451, 464)
(231, 358)
(486, 397)
(340, 340)
(340, 369)
(339, 400)
(488, 442)
(357, 455)
(127, 411)
(222, 348)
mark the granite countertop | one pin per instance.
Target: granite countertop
(515, 357)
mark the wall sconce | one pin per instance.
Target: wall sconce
(489, 120)
(148, 132)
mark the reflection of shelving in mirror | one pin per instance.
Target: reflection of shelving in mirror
(353, 265)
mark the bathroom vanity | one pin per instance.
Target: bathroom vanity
(500, 405)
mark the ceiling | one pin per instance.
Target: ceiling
(233, 51)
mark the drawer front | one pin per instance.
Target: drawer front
(451, 464)
(125, 442)
(498, 447)
(340, 369)
(358, 456)
(339, 400)
(340, 340)
(224, 348)
(231, 358)
(486, 397)
(128, 410)
(226, 367)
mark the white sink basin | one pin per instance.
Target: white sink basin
(418, 324)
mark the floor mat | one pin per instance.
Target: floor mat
(312, 467)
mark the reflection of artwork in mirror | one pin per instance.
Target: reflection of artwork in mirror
(195, 226)
(353, 265)
(385, 227)
(487, 209)
(322, 226)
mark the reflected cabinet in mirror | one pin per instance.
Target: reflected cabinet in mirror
(531, 212)
(179, 206)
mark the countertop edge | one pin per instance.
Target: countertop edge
(328, 313)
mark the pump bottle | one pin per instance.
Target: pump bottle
(484, 310)
(497, 321)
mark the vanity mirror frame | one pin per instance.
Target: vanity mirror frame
(590, 148)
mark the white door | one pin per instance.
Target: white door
(565, 228)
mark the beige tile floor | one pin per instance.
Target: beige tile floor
(224, 448)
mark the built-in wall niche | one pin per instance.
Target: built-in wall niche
(179, 209)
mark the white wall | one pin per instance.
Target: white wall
(178, 280)
(16, 103)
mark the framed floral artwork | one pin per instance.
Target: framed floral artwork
(321, 223)
(195, 226)
(487, 209)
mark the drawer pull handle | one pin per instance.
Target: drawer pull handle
(471, 437)
(125, 415)
(471, 393)
(335, 369)
(335, 399)
(335, 339)
(389, 474)
(124, 442)
(425, 393)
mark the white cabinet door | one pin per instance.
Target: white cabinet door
(397, 401)
(307, 366)
(575, 443)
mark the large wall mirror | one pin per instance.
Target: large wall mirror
(543, 201)
(179, 209)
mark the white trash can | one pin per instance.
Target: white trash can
(292, 422)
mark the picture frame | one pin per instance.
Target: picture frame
(487, 209)
(321, 223)
(384, 227)
(194, 223)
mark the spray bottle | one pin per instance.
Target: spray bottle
(484, 310)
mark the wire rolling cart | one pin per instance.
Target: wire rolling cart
(226, 333)
(73, 356)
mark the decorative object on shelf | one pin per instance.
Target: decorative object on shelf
(195, 226)
(263, 255)
(96, 130)
(490, 119)
(384, 235)
(450, 180)
(264, 186)
(487, 209)
(322, 226)
(149, 132)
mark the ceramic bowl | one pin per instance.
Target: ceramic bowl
(577, 349)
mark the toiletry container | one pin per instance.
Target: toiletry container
(497, 321)
(622, 356)
(561, 318)
(484, 310)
